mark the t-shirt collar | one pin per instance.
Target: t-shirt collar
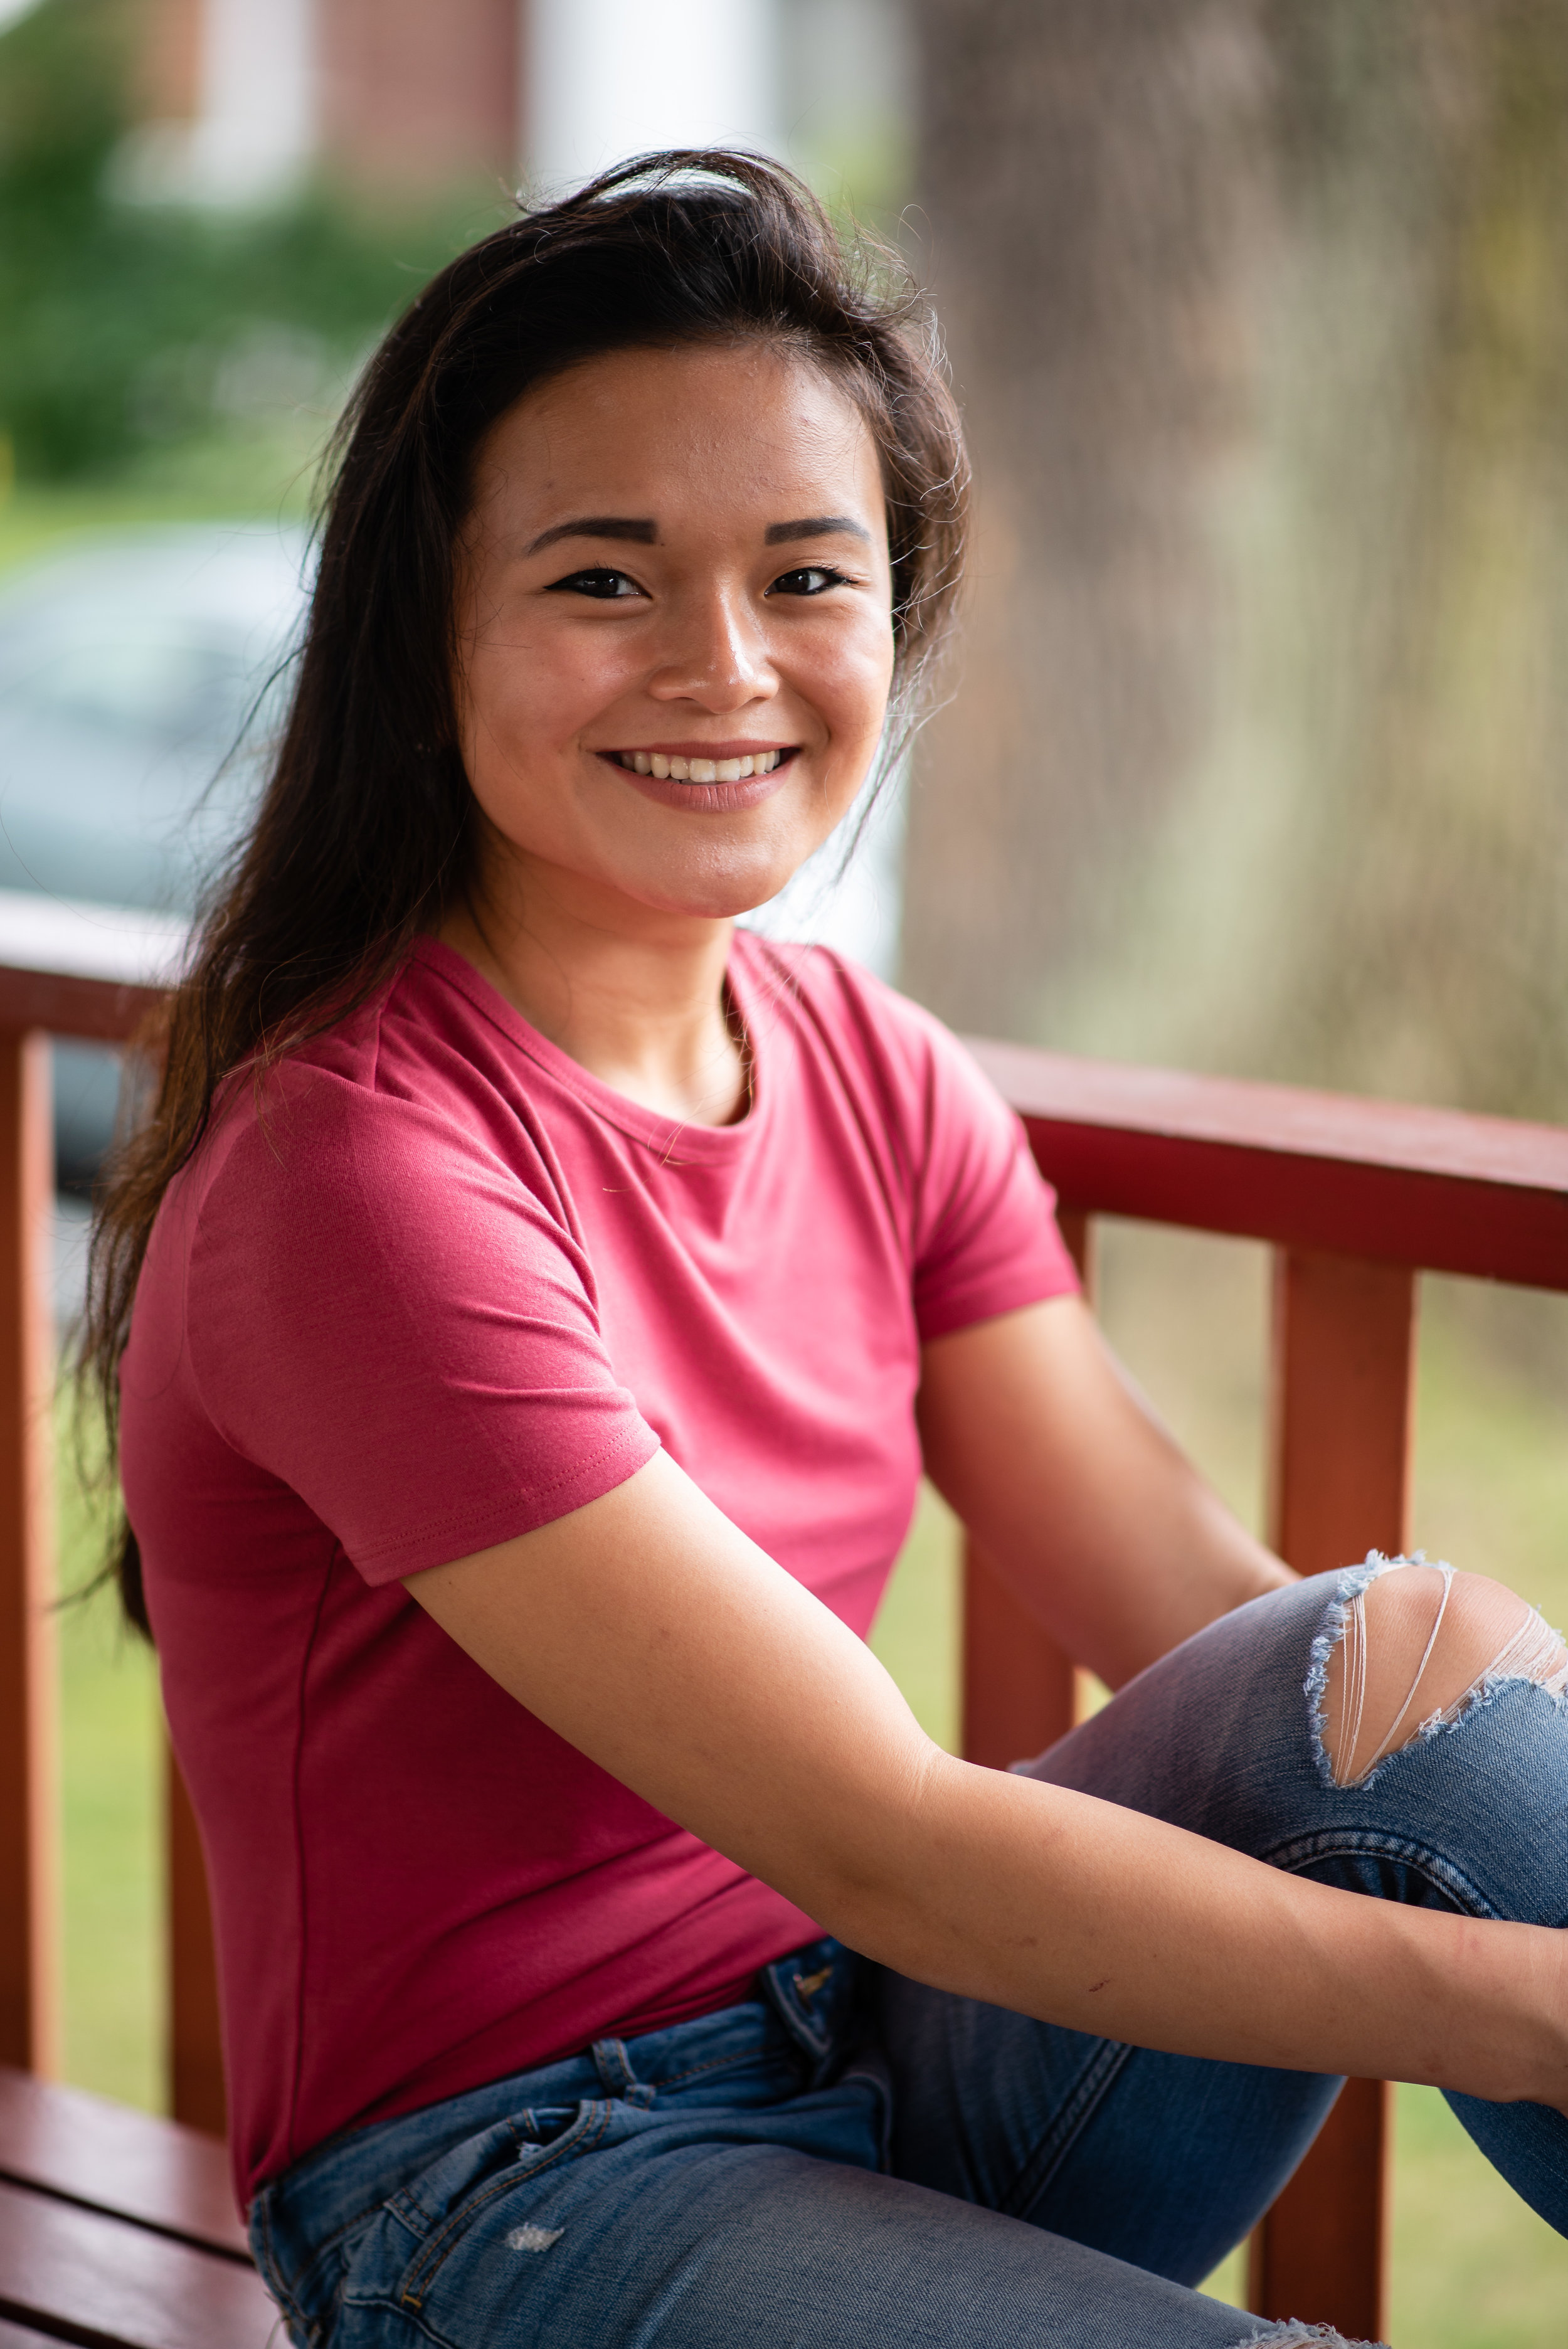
(677, 1141)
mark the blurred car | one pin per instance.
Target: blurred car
(140, 681)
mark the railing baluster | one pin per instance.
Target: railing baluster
(1019, 1689)
(196, 2091)
(1344, 1346)
(29, 1690)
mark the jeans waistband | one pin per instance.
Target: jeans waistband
(800, 2022)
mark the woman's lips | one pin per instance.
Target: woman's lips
(702, 792)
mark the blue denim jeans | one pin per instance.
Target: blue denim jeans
(853, 2158)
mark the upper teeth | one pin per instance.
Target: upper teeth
(699, 771)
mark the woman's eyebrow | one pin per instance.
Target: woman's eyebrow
(778, 534)
(641, 533)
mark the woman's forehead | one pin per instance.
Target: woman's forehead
(744, 428)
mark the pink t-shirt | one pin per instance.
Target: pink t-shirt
(442, 1288)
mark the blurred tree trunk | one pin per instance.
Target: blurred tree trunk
(1088, 172)
(1421, 864)
(1258, 757)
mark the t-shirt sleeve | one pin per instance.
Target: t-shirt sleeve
(986, 1237)
(388, 1320)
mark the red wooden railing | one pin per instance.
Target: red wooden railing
(1357, 1198)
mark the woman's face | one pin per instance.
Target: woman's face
(676, 564)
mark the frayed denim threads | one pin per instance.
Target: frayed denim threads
(1534, 1653)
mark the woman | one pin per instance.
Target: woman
(544, 1298)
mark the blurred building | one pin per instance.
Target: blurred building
(242, 99)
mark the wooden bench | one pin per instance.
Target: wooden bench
(116, 2227)
(118, 2230)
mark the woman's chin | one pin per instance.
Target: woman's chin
(724, 889)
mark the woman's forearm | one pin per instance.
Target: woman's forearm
(1053, 1903)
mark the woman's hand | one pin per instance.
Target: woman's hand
(651, 1634)
(1077, 1493)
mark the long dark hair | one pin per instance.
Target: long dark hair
(362, 838)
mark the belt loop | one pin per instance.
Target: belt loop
(613, 2067)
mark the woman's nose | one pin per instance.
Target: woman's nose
(718, 655)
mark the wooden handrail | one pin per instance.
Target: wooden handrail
(1357, 1198)
(72, 969)
(1439, 1190)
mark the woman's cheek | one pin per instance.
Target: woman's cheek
(849, 677)
(862, 706)
(527, 720)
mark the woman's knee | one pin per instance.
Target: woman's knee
(1419, 1642)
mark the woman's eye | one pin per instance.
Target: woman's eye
(606, 586)
(814, 579)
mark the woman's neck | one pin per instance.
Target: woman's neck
(634, 995)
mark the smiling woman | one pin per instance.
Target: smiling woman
(531, 1301)
(674, 736)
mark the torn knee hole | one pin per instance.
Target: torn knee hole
(1304, 2336)
(1419, 1645)
(1290, 2336)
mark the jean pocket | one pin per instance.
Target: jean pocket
(445, 2201)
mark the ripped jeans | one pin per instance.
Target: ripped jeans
(855, 2161)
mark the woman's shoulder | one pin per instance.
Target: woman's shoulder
(836, 993)
(864, 1023)
(363, 1119)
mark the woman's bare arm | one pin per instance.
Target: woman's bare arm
(1081, 1500)
(650, 1632)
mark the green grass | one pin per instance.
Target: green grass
(114, 1943)
(1474, 2267)
(916, 1631)
(236, 476)
(112, 1786)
